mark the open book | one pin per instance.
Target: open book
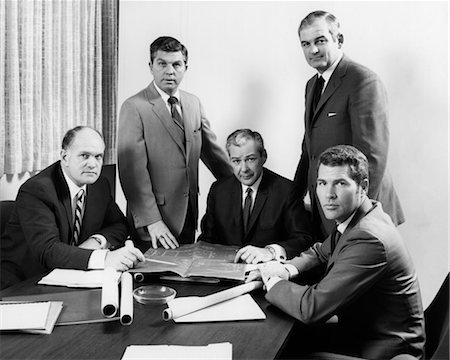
(199, 259)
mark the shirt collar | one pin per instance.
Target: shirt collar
(166, 96)
(73, 188)
(328, 72)
(343, 225)
(254, 187)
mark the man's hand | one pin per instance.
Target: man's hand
(253, 255)
(267, 271)
(124, 258)
(158, 231)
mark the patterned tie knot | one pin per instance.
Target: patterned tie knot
(173, 100)
(80, 194)
(249, 191)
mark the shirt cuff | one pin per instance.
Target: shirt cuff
(293, 271)
(277, 251)
(97, 259)
(272, 281)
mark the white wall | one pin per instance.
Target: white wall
(246, 65)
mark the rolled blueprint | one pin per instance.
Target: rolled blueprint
(126, 299)
(110, 293)
(186, 305)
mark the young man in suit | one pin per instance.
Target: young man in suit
(350, 107)
(254, 208)
(65, 217)
(163, 132)
(368, 278)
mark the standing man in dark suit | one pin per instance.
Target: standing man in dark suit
(163, 132)
(368, 278)
(345, 103)
(254, 208)
(65, 217)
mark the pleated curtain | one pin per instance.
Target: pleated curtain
(58, 61)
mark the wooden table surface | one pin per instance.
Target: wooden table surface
(254, 339)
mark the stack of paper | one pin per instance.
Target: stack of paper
(222, 351)
(32, 317)
(75, 278)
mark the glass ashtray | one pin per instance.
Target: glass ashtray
(154, 294)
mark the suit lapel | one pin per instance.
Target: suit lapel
(162, 113)
(333, 84)
(188, 121)
(362, 211)
(62, 189)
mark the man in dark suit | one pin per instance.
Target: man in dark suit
(163, 132)
(65, 217)
(254, 209)
(368, 278)
(349, 108)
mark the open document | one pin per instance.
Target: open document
(199, 259)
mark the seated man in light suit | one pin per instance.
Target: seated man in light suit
(369, 280)
(52, 226)
(266, 222)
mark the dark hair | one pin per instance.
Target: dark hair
(332, 21)
(70, 135)
(347, 155)
(240, 136)
(167, 44)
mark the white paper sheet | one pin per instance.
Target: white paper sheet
(240, 308)
(221, 351)
(75, 278)
(186, 305)
(21, 316)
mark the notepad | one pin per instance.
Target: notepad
(34, 317)
(222, 351)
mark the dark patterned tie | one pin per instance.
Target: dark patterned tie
(335, 235)
(247, 208)
(317, 93)
(173, 101)
(78, 217)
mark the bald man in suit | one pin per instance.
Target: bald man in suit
(349, 108)
(163, 132)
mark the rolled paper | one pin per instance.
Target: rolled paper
(189, 304)
(139, 277)
(110, 293)
(126, 299)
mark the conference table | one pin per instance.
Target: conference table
(250, 339)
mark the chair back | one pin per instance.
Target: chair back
(6, 208)
(436, 324)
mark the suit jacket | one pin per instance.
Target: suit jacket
(157, 172)
(38, 235)
(275, 217)
(369, 282)
(353, 110)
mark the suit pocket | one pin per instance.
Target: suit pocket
(160, 199)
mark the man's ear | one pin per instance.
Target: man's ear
(365, 186)
(63, 156)
(264, 156)
(340, 39)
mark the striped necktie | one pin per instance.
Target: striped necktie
(173, 101)
(247, 208)
(78, 217)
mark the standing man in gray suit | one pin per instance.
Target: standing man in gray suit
(345, 103)
(163, 132)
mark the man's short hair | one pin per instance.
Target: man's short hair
(332, 21)
(70, 135)
(167, 44)
(241, 136)
(347, 155)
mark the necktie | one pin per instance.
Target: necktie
(334, 239)
(173, 101)
(247, 208)
(78, 217)
(317, 93)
